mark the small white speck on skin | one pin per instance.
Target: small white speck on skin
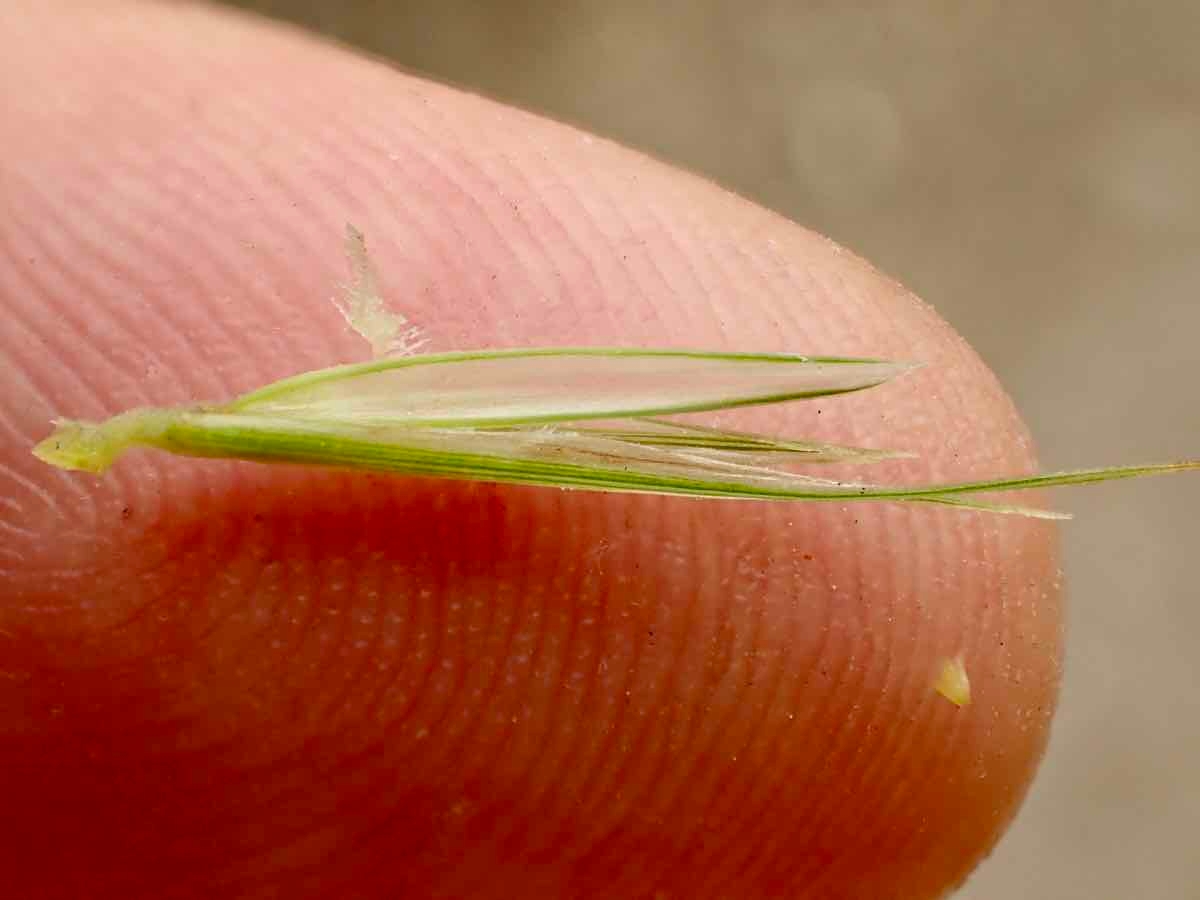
(952, 681)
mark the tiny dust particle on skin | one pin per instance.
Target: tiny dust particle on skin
(952, 681)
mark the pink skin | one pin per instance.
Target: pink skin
(223, 679)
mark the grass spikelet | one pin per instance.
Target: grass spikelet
(582, 418)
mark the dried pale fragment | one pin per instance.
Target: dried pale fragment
(361, 305)
(952, 681)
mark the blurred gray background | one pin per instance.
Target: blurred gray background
(1033, 170)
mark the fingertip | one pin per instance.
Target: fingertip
(593, 694)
